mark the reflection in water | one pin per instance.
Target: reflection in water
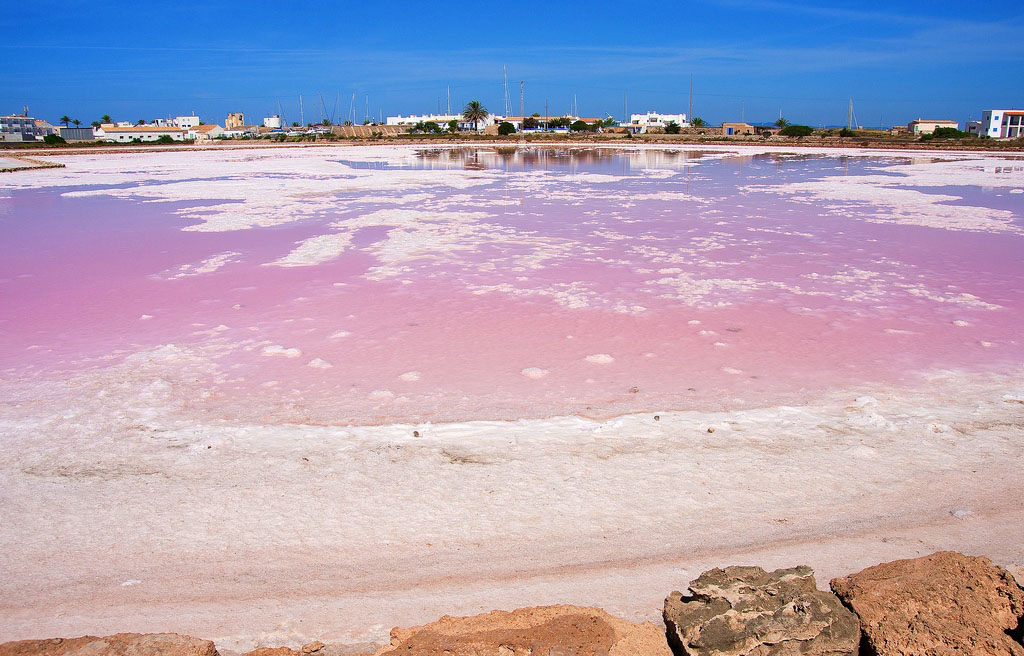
(611, 160)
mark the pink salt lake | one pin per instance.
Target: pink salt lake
(481, 284)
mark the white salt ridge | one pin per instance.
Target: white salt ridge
(278, 350)
(208, 265)
(318, 363)
(599, 358)
(411, 376)
(534, 372)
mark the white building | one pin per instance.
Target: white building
(205, 132)
(442, 120)
(1002, 123)
(186, 122)
(272, 122)
(640, 123)
(117, 134)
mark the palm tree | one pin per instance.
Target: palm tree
(106, 119)
(65, 120)
(781, 123)
(141, 121)
(475, 112)
(699, 122)
(96, 124)
(76, 122)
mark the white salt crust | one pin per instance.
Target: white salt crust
(431, 519)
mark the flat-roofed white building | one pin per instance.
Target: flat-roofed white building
(118, 134)
(186, 122)
(1002, 123)
(640, 123)
(272, 122)
(924, 126)
(442, 120)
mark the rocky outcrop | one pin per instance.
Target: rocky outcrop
(120, 644)
(548, 630)
(747, 611)
(945, 603)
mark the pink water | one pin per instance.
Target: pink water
(717, 297)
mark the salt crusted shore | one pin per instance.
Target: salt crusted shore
(941, 603)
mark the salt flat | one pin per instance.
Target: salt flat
(263, 396)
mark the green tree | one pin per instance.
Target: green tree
(295, 124)
(326, 122)
(453, 126)
(506, 128)
(106, 119)
(65, 120)
(781, 123)
(530, 123)
(579, 126)
(76, 122)
(672, 127)
(53, 139)
(165, 139)
(699, 122)
(96, 124)
(141, 121)
(432, 127)
(474, 111)
(796, 131)
(847, 132)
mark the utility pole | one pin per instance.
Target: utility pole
(449, 100)
(849, 116)
(547, 122)
(302, 117)
(522, 109)
(690, 115)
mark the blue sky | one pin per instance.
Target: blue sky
(898, 60)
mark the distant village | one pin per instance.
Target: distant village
(15, 128)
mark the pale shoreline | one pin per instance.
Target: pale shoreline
(278, 536)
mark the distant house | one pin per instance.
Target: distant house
(234, 121)
(117, 134)
(205, 132)
(654, 122)
(922, 126)
(22, 128)
(736, 129)
(1002, 123)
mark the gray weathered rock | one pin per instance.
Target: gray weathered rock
(745, 611)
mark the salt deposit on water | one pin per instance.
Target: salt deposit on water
(467, 379)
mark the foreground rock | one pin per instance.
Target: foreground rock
(120, 644)
(546, 630)
(945, 603)
(747, 611)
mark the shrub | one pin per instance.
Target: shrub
(847, 132)
(530, 123)
(579, 126)
(165, 139)
(53, 139)
(506, 128)
(796, 131)
(672, 127)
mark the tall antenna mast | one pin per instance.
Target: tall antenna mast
(625, 107)
(508, 101)
(690, 115)
(352, 109)
(366, 114)
(522, 109)
(449, 100)
(302, 117)
(575, 107)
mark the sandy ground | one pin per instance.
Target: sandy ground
(122, 514)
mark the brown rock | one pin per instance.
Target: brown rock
(120, 644)
(945, 603)
(548, 630)
(312, 647)
(272, 651)
(747, 611)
